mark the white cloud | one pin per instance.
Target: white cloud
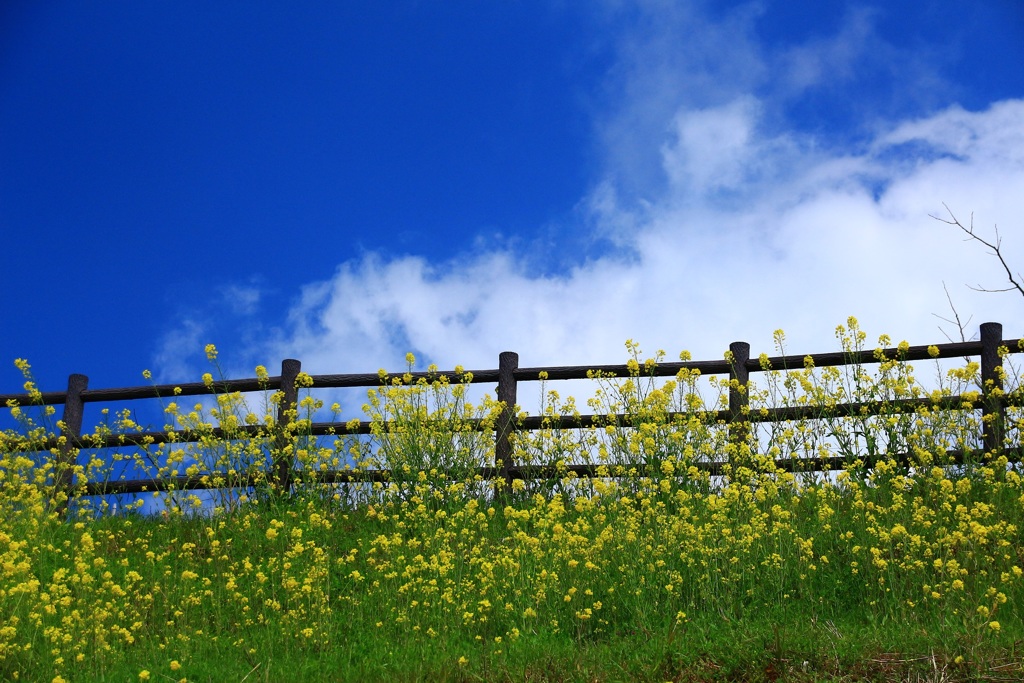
(727, 225)
(671, 56)
(805, 249)
(713, 147)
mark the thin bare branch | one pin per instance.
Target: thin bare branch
(956, 321)
(995, 251)
(956, 318)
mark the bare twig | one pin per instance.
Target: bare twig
(956, 318)
(994, 247)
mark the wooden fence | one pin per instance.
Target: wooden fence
(507, 376)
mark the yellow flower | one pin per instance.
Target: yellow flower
(994, 625)
(143, 675)
(207, 379)
(410, 358)
(147, 374)
(175, 665)
(211, 352)
(933, 351)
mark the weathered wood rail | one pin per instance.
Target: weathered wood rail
(507, 377)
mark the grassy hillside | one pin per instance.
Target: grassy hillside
(654, 572)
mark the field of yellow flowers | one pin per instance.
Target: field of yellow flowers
(654, 570)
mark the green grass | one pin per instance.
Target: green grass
(195, 600)
(880, 574)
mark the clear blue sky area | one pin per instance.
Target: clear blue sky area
(266, 176)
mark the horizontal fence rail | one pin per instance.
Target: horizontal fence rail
(507, 377)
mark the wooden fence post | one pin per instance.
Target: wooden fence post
(508, 362)
(992, 412)
(283, 464)
(739, 421)
(71, 431)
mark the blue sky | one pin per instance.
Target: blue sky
(343, 185)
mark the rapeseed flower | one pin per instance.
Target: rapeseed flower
(429, 556)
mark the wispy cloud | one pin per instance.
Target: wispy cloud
(241, 299)
(174, 358)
